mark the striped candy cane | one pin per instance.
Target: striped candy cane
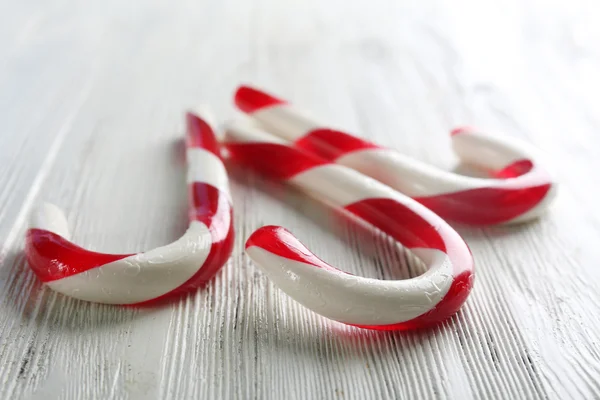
(364, 302)
(154, 275)
(520, 188)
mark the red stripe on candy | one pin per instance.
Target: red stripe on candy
(281, 242)
(331, 144)
(400, 222)
(485, 206)
(200, 135)
(53, 257)
(250, 100)
(517, 168)
(263, 156)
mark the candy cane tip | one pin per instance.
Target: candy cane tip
(49, 217)
(276, 243)
(200, 132)
(461, 129)
(191, 117)
(202, 111)
(265, 235)
(250, 100)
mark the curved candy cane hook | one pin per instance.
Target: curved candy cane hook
(156, 274)
(364, 302)
(521, 189)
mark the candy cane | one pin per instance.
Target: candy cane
(368, 303)
(522, 188)
(154, 275)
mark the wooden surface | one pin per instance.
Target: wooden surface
(91, 103)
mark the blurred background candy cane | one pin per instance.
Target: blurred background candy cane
(364, 302)
(519, 187)
(156, 274)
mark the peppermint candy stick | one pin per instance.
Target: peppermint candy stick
(335, 294)
(519, 189)
(156, 274)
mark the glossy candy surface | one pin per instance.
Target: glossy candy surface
(364, 302)
(156, 274)
(519, 188)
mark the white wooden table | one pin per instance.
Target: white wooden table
(92, 97)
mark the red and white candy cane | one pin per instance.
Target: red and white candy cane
(364, 302)
(520, 188)
(156, 274)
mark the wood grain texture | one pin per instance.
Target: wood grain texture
(91, 113)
